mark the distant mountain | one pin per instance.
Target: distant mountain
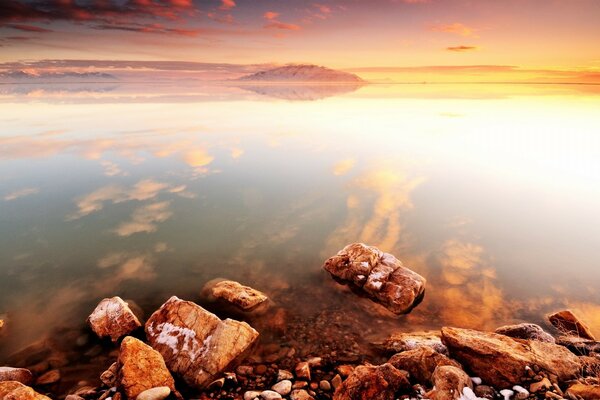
(302, 73)
(16, 76)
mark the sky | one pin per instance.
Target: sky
(375, 37)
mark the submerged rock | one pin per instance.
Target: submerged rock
(381, 276)
(502, 361)
(566, 322)
(113, 318)
(141, 368)
(13, 390)
(21, 375)
(156, 393)
(526, 331)
(449, 382)
(243, 297)
(372, 383)
(404, 341)
(421, 363)
(196, 344)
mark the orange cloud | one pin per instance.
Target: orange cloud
(456, 28)
(227, 4)
(145, 219)
(461, 49)
(271, 15)
(274, 23)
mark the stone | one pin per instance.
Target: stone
(381, 276)
(234, 293)
(13, 390)
(345, 370)
(260, 369)
(156, 393)
(579, 345)
(109, 377)
(336, 381)
(73, 397)
(113, 318)
(141, 368)
(251, 395)
(21, 375)
(402, 341)
(544, 384)
(48, 378)
(302, 371)
(449, 382)
(420, 363)
(2, 325)
(244, 370)
(195, 344)
(585, 392)
(284, 374)
(372, 383)
(566, 322)
(325, 385)
(270, 395)
(502, 361)
(485, 392)
(283, 387)
(526, 331)
(301, 394)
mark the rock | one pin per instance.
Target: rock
(485, 392)
(565, 321)
(141, 368)
(260, 369)
(251, 395)
(345, 370)
(283, 387)
(544, 384)
(109, 377)
(243, 297)
(269, 395)
(586, 392)
(302, 371)
(48, 378)
(372, 383)
(421, 363)
(579, 345)
(13, 390)
(156, 393)
(74, 397)
(301, 394)
(381, 276)
(325, 385)
(21, 375)
(113, 318)
(336, 381)
(2, 324)
(402, 341)
(448, 382)
(195, 343)
(245, 370)
(284, 374)
(526, 331)
(502, 361)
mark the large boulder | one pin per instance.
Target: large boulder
(566, 322)
(372, 383)
(195, 343)
(140, 368)
(502, 361)
(113, 318)
(381, 276)
(449, 383)
(578, 345)
(13, 390)
(585, 392)
(16, 374)
(526, 331)
(234, 293)
(420, 363)
(404, 341)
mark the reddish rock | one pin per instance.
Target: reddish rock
(579, 345)
(381, 276)
(526, 331)
(449, 382)
(49, 377)
(243, 297)
(113, 318)
(502, 361)
(403, 341)
(302, 371)
(585, 392)
(565, 321)
(21, 375)
(421, 363)
(13, 390)
(141, 368)
(195, 343)
(373, 383)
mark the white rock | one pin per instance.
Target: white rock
(301, 394)
(157, 393)
(269, 395)
(283, 388)
(284, 374)
(520, 389)
(507, 393)
(476, 380)
(251, 395)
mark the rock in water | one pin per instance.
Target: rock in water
(402, 341)
(565, 321)
(449, 382)
(526, 331)
(21, 375)
(372, 383)
(195, 343)
(380, 275)
(420, 363)
(13, 390)
(243, 297)
(502, 361)
(113, 318)
(141, 368)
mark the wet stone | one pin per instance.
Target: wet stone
(156, 393)
(21, 375)
(113, 318)
(565, 321)
(526, 331)
(283, 387)
(48, 378)
(234, 293)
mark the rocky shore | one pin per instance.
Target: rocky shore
(184, 351)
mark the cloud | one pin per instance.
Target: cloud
(274, 23)
(21, 193)
(29, 28)
(151, 28)
(461, 49)
(227, 4)
(342, 167)
(270, 15)
(145, 219)
(111, 169)
(456, 28)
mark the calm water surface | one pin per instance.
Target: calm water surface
(490, 192)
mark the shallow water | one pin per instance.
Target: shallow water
(490, 192)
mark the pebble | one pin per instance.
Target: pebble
(261, 369)
(542, 384)
(73, 397)
(244, 370)
(251, 395)
(284, 374)
(300, 395)
(16, 374)
(485, 392)
(157, 393)
(49, 377)
(315, 361)
(302, 371)
(299, 385)
(283, 387)
(507, 393)
(325, 385)
(336, 381)
(269, 395)
(345, 370)
(476, 380)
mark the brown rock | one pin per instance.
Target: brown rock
(195, 343)
(109, 377)
(113, 318)
(2, 324)
(402, 341)
(372, 383)
(141, 368)
(501, 361)
(243, 297)
(13, 390)
(421, 363)
(449, 382)
(579, 345)
(565, 321)
(345, 370)
(48, 378)
(21, 375)
(586, 392)
(544, 384)
(302, 371)
(526, 331)
(381, 276)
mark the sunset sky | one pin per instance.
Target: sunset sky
(367, 37)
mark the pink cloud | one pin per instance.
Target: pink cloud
(456, 28)
(461, 49)
(274, 23)
(227, 4)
